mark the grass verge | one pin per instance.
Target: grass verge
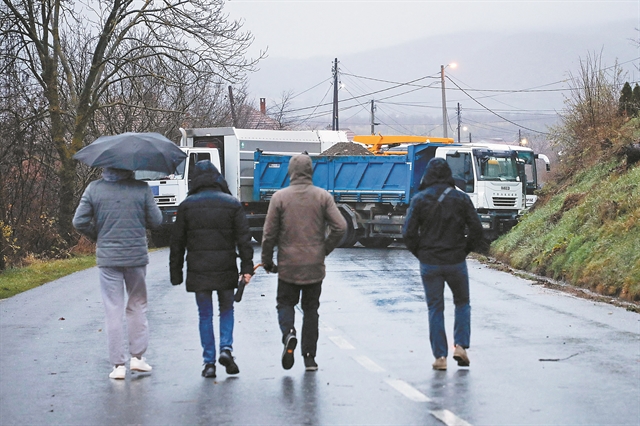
(587, 235)
(17, 280)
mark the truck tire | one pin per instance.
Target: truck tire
(376, 242)
(350, 238)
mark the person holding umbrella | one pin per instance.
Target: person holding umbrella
(115, 212)
(212, 228)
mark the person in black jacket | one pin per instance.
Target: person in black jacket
(441, 228)
(213, 229)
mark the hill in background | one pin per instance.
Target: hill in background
(487, 61)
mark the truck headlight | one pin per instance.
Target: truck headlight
(486, 225)
(173, 219)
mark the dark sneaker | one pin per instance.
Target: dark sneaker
(227, 360)
(310, 363)
(209, 371)
(290, 343)
(460, 355)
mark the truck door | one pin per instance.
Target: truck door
(194, 157)
(462, 170)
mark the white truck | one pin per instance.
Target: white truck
(232, 151)
(527, 158)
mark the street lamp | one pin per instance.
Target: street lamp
(444, 98)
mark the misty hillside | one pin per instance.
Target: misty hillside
(487, 61)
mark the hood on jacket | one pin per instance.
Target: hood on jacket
(111, 174)
(206, 175)
(437, 171)
(300, 170)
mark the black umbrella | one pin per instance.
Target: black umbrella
(133, 151)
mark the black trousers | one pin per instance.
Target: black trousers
(287, 298)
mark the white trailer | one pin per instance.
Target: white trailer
(232, 151)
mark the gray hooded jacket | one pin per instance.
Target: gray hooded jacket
(296, 222)
(115, 212)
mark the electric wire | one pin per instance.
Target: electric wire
(494, 113)
(536, 89)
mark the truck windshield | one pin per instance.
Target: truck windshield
(151, 175)
(496, 165)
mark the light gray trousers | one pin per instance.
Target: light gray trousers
(112, 288)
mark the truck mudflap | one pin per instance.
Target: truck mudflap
(495, 223)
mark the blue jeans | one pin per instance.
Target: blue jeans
(433, 279)
(205, 311)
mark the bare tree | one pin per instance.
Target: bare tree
(590, 118)
(77, 52)
(279, 111)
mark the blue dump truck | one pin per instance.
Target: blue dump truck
(373, 192)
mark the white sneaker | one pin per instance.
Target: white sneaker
(140, 364)
(118, 373)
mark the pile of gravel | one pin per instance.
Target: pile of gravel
(347, 148)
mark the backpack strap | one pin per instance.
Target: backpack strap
(444, 194)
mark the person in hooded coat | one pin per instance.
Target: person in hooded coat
(115, 212)
(212, 228)
(441, 228)
(297, 220)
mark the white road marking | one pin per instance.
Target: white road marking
(407, 390)
(341, 342)
(445, 416)
(448, 418)
(367, 363)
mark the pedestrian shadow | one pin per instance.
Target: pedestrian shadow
(140, 375)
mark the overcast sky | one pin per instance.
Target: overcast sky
(306, 28)
(514, 44)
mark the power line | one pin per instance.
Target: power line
(492, 112)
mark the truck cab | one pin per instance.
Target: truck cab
(491, 177)
(170, 190)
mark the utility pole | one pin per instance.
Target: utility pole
(444, 104)
(373, 118)
(233, 108)
(334, 124)
(459, 121)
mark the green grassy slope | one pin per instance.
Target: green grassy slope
(587, 234)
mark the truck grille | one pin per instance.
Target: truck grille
(504, 201)
(166, 200)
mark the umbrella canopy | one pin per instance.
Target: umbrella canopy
(133, 151)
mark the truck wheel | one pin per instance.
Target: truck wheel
(376, 242)
(349, 239)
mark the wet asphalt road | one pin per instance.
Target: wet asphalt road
(537, 356)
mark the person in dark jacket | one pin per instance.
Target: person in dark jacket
(297, 222)
(441, 228)
(212, 228)
(115, 212)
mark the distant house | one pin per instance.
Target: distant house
(254, 119)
